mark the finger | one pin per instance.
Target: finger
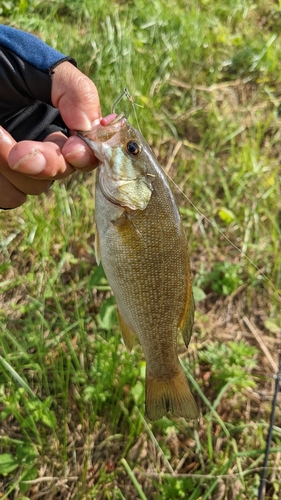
(79, 155)
(6, 144)
(76, 97)
(10, 196)
(40, 160)
(30, 166)
(33, 165)
(13, 184)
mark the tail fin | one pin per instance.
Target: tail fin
(172, 395)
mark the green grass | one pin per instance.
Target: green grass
(71, 397)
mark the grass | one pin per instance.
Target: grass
(71, 397)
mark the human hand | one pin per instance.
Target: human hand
(28, 167)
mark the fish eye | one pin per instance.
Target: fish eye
(133, 148)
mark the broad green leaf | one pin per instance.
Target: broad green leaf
(272, 326)
(8, 463)
(198, 294)
(226, 215)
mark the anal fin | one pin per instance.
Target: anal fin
(97, 246)
(127, 332)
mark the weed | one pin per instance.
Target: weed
(224, 279)
(230, 363)
(207, 77)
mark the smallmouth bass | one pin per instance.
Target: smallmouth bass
(141, 243)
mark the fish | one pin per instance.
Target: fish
(141, 243)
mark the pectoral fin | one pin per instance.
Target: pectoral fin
(127, 332)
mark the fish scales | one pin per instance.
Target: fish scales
(145, 258)
(143, 281)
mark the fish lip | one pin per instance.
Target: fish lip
(102, 133)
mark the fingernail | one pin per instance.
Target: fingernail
(31, 164)
(78, 158)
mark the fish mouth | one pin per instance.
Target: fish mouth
(103, 133)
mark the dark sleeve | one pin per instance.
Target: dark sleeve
(26, 65)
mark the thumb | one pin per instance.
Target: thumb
(76, 97)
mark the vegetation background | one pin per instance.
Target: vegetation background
(207, 75)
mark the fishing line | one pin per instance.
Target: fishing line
(225, 237)
(277, 377)
(269, 436)
(128, 95)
